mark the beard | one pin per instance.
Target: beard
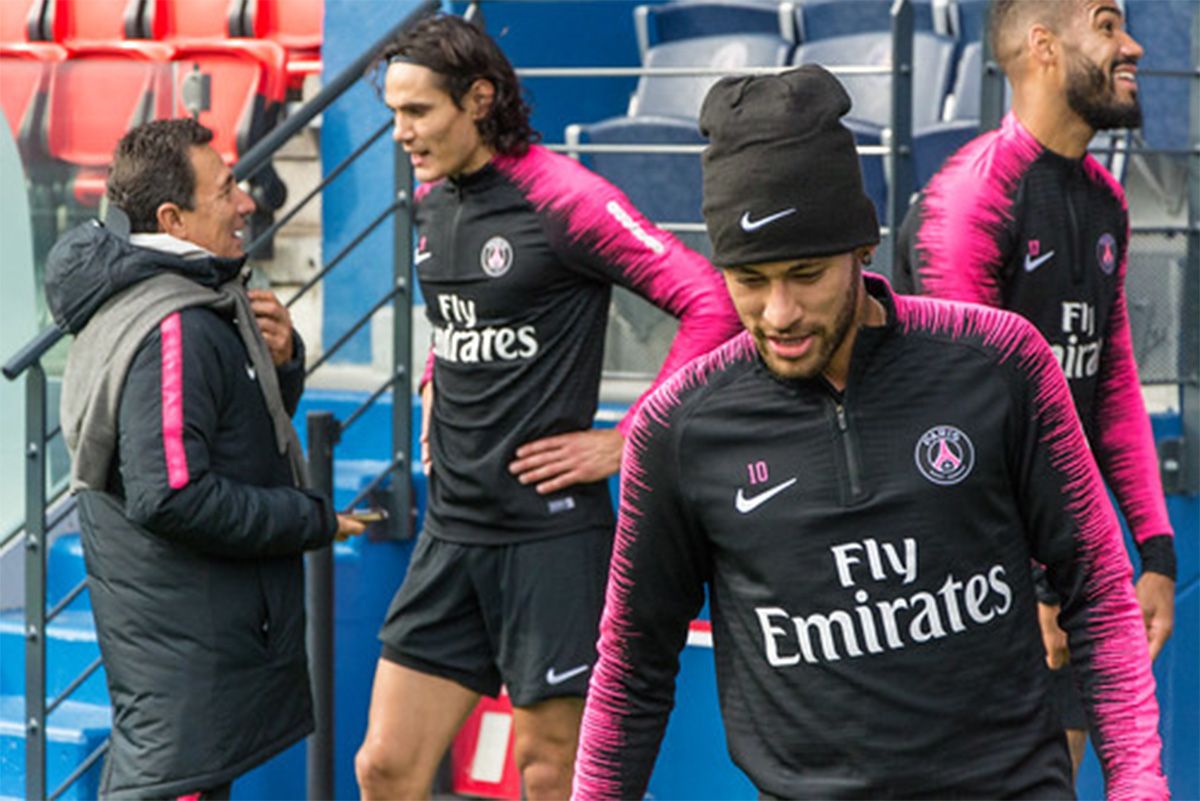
(1092, 94)
(829, 339)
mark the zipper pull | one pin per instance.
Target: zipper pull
(841, 418)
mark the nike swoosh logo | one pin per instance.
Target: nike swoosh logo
(250, 372)
(746, 505)
(749, 225)
(559, 678)
(1033, 264)
(420, 257)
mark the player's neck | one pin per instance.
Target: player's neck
(869, 314)
(1053, 123)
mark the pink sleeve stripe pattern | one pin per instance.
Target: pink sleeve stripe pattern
(603, 758)
(171, 332)
(1125, 724)
(668, 274)
(1124, 442)
(964, 208)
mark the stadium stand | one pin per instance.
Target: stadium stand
(26, 67)
(83, 22)
(933, 145)
(20, 20)
(176, 20)
(669, 22)
(824, 19)
(295, 25)
(871, 94)
(681, 96)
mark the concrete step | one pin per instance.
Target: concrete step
(75, 730)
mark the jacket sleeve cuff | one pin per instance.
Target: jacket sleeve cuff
(328, 525)
(1041, 587)
(1158, 555)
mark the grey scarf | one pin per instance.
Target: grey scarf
(101, 354)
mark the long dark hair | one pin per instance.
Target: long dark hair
(460, 54)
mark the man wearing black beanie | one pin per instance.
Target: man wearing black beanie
(861, 481)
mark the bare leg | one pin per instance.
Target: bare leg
(413, 718)
(547, 735)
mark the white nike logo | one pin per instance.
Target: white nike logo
(420, 257)
(746, 505)
(250, 372)
(559, 678)
(749, 225)
(1033, 264)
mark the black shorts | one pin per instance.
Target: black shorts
(1068, 704)
(525, 615)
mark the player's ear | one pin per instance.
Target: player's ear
(480, 97)
(1042, 44)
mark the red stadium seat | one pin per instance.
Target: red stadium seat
(177, 20)
(95, 97)
(21, 20)
(26, 71)
(246, 87)
(76, 22)
(294, 24)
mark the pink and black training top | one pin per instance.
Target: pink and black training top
(517, 262)
(866, 555)
(1011, 224)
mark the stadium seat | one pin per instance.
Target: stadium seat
(874, 176)
(665, 187)
(1164, 29)
(823, 19)
(871, 94)
(79, 22)
(682, 96)
(296, 25)
(26, 71)
(181, 20)
(94, 98)
(21, 21)
(933, 145)
(968, 19)
(669, 22)
(245, 88)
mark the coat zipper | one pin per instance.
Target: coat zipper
(1075, 256)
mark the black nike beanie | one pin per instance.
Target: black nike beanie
(781, 173)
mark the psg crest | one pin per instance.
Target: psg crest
(1106, 253)
(944, 455)
(496, 258)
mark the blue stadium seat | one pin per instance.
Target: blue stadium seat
(665, 187)
(874, 177)
(968, 19)
(682, 96)
(1164, 29)
(932, 60)
(965, 97)
(670, 22)
(823, 19)
(933, 145)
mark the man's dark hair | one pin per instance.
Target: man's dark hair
(1008, 20)
(460, 53)
(151, 166)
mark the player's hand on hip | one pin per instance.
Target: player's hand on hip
(1156, 597)
(1053, 637)
(275, 323)
(580, 457)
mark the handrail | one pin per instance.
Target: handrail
(32, 351)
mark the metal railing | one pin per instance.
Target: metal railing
(324, 432)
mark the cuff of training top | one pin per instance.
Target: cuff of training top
(1041, 587)
(1158, 555)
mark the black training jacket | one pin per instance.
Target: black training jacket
(193, 554)
(517, 263)
(1011, 224)
(867, 558)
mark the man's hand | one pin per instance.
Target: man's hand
(579, 457)
(1156, 596)
(275, 324)
(348, 527)
(1053, 638)
(426, 416)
